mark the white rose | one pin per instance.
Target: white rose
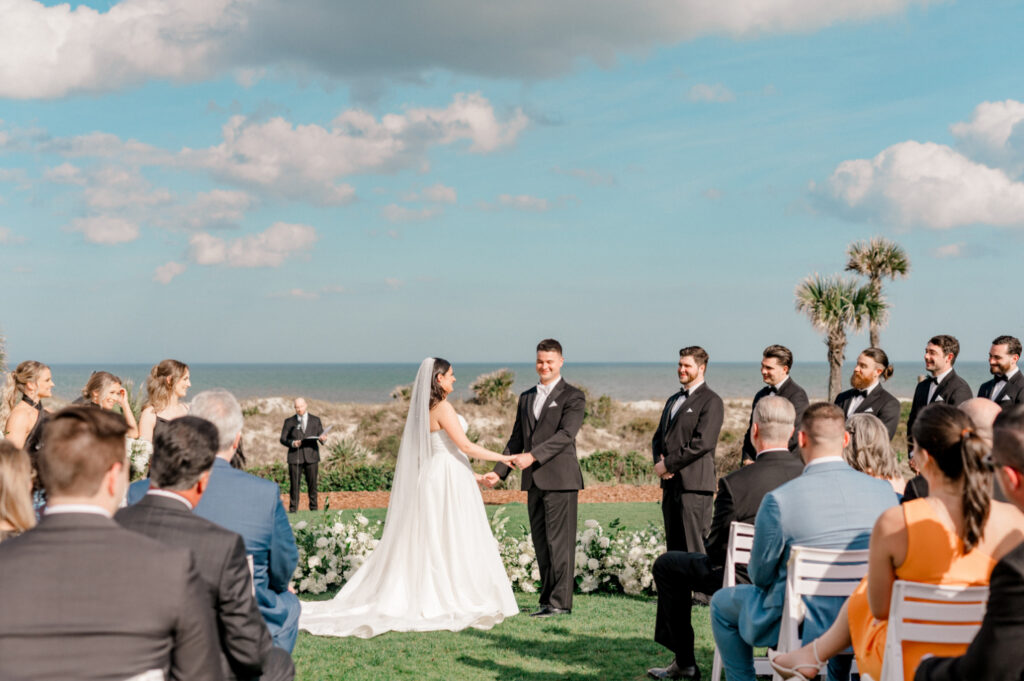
(362, 520)
(314, 561)
(321, 542)
(591, 523)
(301, 525)
(593, 564)
(605, 542)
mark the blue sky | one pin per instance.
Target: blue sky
(249, 180)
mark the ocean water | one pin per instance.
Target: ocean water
(369, 383)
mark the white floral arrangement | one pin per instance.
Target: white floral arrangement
(138, 452)
(612, 560)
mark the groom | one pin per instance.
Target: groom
(547, 420)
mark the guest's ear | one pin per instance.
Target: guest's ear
(801, 439)
(238, 441)
(203, 482)
(755, 431)
(846, 439)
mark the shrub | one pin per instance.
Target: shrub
(640, 426)
(629, 469)
(252, 410)
(493, 388)
(402, 393)
(599, 413)
(358, 478)
(387, 447)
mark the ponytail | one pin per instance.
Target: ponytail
(976, 500)
(14, 386)
(8, 398)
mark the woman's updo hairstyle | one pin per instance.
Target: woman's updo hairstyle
(878, 354)
(437, 393)
(160, 384)
(97, 383)
(948, 435)
(16, 383)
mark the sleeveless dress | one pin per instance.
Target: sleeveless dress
(443, 574)
(934, 556)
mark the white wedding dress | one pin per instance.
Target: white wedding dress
(437, 565)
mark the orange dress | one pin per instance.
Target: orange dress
(934, 556)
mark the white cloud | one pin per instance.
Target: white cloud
(9, 237)
(105, 229)
(438, 193)
(994, 135)
(393, 283)
(269, 248)
(52, 51)
(168, 271)
(215, 208)
(395, 213)
(116, 188)
(304, 294)
(524, 202)
(950, 250)
(926, 184)
(65, 173)
(594, 178)
(702, 92)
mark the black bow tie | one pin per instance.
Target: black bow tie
(683, 392)
(932, 379)
(999, 377)
(773, 390)
(860, 393)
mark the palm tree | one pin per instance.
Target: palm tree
(834, 305)
(877, 259)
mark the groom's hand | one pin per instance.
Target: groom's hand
(490, 479)
(524, 460)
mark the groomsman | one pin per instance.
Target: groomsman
(683, 448)
(776, 361)
(302, 435)
(1007, 385)
(867, 395)
(944, 384)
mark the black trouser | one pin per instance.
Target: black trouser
(278, 666)
(677, 575)
(553, 524)
(687, 518)
(295, 470)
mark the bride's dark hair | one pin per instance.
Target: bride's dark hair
(437, 393)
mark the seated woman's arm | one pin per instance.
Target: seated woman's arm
(888, 550)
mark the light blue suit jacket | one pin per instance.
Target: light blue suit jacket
(830, 506)
(252, 507)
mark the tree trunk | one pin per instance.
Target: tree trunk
(874, 335)
(876, 287)
(836, 343)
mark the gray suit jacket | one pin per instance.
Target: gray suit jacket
(85, 599)
(220, 557)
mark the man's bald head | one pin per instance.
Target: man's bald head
(982, 412)
(300, 405)
(822, 431)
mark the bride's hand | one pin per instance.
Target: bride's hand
(509, 461)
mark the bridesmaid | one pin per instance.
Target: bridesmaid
(166, 387)
(21, 406)
(106, 391)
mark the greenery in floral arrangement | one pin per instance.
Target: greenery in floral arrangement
(494, 388)
(330, 551)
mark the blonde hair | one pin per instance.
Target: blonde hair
(15, 384)
(160, 384)
(869, 450)
(97, 383)
(15, 487)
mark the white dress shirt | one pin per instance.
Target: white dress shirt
(682, 398)
(76, 508)
(857, 400)
(935, 384)
(542, 395)
(824, 459)
(1000, 385)
(169, 495)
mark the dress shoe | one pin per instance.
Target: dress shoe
(549, 611)
(674, 671)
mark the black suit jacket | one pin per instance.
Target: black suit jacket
(220, 558)
(85, 599)
(551, 439)
(688, 440)
(1011, 394)
(878, 402)
(995, 652)
(740, 494)
(953, 390)
(796, 395)
(309, 451)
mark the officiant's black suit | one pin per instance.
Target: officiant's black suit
(796, 395)
(1011, 394)
(246, 648)
(302, 460)
(688, 441)
(552, 484)
(879, 402)
(952, 390)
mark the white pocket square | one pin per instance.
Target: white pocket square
(689, 411)
(1005, 398)
(553, 404)
(939, 398)
(868, 410)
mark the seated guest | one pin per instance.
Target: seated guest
(179, 474)
(983, 413)
(105, 391)
(251, 507)
(86, 599)
(867, 395)
(994, 654)
(776, 362)
(869, 450)
(166, 387)
(16, 513)
(21, 407)
(679, 573)
(830, 506)
(955, 535)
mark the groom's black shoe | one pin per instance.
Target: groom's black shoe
(550, 611)
(674, 671)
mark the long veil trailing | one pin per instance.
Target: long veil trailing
(437, 564)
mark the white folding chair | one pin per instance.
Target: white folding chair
(741, 539)
(817, 572)
(932, 613)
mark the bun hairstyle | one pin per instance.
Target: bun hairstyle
(97, 383)
(878, 354)
(437, 393)
(948, 435)
(160, 384)
(16, 383)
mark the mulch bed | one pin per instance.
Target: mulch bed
(592, 495)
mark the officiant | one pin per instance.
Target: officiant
(302, 435)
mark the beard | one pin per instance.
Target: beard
(859, 383)
(996, 369)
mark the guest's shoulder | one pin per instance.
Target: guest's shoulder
(252, 483)
(845, 395)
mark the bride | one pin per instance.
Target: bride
(437, 564)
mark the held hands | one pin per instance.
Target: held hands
(521, 461)
(661, 471)
(489, 480)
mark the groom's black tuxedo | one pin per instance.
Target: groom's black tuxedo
(552, 484)
(952, 390)
(1011, 394)
(879, 402)
(796, 395)
(688, 441)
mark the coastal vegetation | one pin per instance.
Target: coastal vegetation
(877, 259)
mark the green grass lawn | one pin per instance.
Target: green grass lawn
(606, 636)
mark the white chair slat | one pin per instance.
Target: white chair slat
(840, 589)
(943, 612)
(939, 633)
(741, 539)
(822, 571)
